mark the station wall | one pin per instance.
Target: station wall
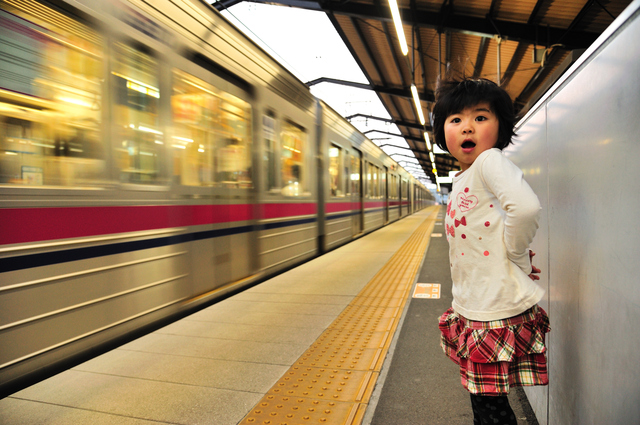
(579, 150)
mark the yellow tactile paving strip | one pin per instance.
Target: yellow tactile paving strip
(331, 383)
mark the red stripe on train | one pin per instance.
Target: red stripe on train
(20, 225)
(269, 211)
(374, 204)
(334, 207)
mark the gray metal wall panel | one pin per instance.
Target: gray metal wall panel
(529, 152)
(592, 233)
(593, 179)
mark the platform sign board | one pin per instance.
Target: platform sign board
(427, 290)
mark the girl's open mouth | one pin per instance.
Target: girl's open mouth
(468, 145)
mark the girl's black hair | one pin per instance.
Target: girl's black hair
(455, 95)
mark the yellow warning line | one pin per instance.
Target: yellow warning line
(332, 382)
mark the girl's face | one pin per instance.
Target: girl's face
(471, 132)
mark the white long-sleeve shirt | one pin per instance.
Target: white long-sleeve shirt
(492, 217)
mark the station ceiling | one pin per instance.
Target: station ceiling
(524, 45)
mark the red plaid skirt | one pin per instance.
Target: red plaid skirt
(494, 356)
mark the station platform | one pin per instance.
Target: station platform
(350, 337)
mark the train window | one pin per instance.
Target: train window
(293, 141)
(369, 187)
(373, 181)
(138, 149)
(367, 172)
(355, 175)
(50, 98)
(210, 136)
(270, 151)
(393, 186)
(347, 174)
(336, 170)
(233, 154)
(193, 106)
(383, 183)
(376, 181)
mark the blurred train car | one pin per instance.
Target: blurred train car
(152, 160)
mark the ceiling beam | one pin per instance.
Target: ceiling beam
(404, 136)
(522, 47)
(482, 54)
(415, 125)
(451, 22)
(424, 95)
(221, 5)
(516, 60)
(393, 47)
(410, 157)
(367, 48)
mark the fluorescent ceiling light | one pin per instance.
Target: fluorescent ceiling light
(426, 139)
(395, 13)
(416, 100)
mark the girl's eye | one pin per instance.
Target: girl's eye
(481, 118)
(455, 120)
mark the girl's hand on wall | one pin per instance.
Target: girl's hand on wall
(534, 269)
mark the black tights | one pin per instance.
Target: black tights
(492, 410)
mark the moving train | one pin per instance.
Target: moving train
(154, 160)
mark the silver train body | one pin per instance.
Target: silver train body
(153, 160)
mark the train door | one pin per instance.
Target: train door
(356, 192)
(211, 162)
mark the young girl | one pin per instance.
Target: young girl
(494, 329)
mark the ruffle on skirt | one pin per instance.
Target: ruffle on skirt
(493, 356)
